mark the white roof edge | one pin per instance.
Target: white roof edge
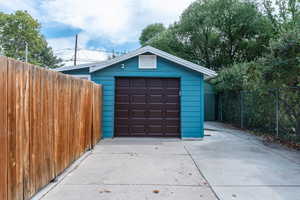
(158, 52)
(67, 68)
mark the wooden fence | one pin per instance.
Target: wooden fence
(47, 120)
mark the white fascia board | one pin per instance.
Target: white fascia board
(67, 68)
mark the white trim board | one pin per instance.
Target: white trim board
(149, 49)
(87, 76)
(67, 68)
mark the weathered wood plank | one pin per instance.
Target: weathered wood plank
(32, 128)
(56, 123)
(72, 125)
(20, 117)
(12, 184)
(38, 130)
(89, 115)
(67, 120)
(44, 134)
(26, 131)
(51, 104)
(3, 128)
(100, 111)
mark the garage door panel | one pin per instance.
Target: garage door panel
(172, 113)
(156, 98)
(123, 83)
(138, 99)
(137, 129)
(137, 82)
(138, 121)
(124, 130)
(122, 98)
(172, 121)
(155, 91)
(123, 91)
(138, 113)
(172, 91)
(171, 107)
(156, 106)
(147, 107)
(122, 113)
(155, 121)
(122, 121)
(156, 113)
(172, 130)
(137, 91)
(172, 99)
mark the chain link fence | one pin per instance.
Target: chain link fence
(273, 112)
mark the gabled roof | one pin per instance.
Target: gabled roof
(149, 49)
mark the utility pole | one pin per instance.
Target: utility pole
(75, 53)
(26, 52)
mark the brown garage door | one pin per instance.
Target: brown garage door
(147, 107)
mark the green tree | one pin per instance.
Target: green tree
(281, 67)
(223, 32)
(19, 28)
(284, 15)
(169, 41)
(150, 31)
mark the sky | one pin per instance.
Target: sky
(101, 25)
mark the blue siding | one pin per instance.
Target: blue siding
(192, 109)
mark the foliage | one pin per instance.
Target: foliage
(168, 41)
(239, 77)
(151, 31)
(223, 32)
(19, 28)
(217, 33)
(257, 110)
(284, 15)
(281, 67)
(278, 69)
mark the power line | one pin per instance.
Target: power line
(96, 50)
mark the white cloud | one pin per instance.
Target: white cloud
(12, 5)
(117, 20)
(83, 57)
(64, 48)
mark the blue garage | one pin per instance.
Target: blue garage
(149, 93)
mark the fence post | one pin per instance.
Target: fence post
(242, 108)
(221, 105)
(277, 112)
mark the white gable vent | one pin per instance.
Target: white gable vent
(147, 61)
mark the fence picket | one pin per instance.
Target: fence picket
(3, 130)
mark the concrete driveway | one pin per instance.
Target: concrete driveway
(227, 165)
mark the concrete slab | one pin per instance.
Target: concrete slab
(140, 146)
(129, 192)
(136, 169)
(258, 192)
(240, 166)
(237, 165)
(133, 168)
